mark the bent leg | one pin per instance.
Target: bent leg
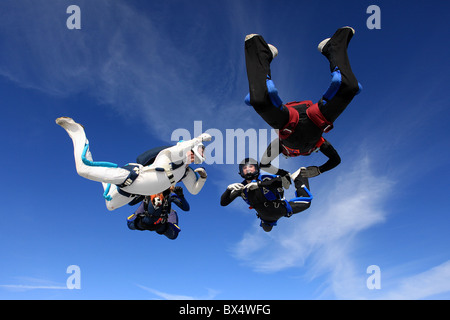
(113, 199)
(101, 171)
(303, 196)
(344, 85)
(173, 229)
(263, 94)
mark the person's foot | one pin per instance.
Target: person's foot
(272, 48)
(67, 123)
(323, 43)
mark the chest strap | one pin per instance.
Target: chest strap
(290, 152)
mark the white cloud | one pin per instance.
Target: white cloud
(320, 240)
(424, 285)
(129, 61)
(350, 204)
(170, 296)
(29, 283)
(21, 287)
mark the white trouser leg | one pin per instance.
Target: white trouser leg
(95, 173)
(116, 200)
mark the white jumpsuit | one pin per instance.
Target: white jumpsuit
(149, 180)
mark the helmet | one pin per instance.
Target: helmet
(198, 153)
(244, 163)
(157, 200)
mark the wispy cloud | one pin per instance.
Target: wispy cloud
(427, 284)
(320, 240)
(323, 232)
(29, 283)
(170, 296)
(129, 61)
(21, 287)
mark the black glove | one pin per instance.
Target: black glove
(178, 191)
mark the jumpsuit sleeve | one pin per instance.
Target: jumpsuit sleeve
(180, 201)
(272, 151)
(192, 181)
(176, 153)
(228, 197)
(274, 185)
(333, 157)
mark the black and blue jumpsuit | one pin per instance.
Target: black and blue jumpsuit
(268, 199)
(162, 220)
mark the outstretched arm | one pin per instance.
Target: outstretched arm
(272, 151)
(233, 191)
(194, 180)
(333, 157)
(178, 198)
(333, 161)
(178, 152)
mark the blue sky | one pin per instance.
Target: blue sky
(139, 70)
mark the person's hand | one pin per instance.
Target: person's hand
(201, 172)
(204, 137)
(285, 178)
(310, 172)
(178, 191)
(235, 187)
(252, 186)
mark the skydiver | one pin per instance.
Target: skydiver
(133, 180)
(265, 193)
(156, 214)
(300, 125)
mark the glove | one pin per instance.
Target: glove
(286, 181)
(204, 137)
(310, 172)
(285, 178)
(235, 187)
(178, 191)
(201, 172)
(252, 186)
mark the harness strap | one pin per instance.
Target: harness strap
(289, 128)
(288, 208)
(294, 117)
(134, 173)
(168, 170)
(316, 116)
(290, 152)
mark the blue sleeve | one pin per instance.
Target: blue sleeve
(180, 201)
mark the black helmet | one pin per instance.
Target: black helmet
(249, 176)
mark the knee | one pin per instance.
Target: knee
(351, 87)
(266, 227)
(257, 101)
(266, 98)
(307, 205)
(109, 206)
